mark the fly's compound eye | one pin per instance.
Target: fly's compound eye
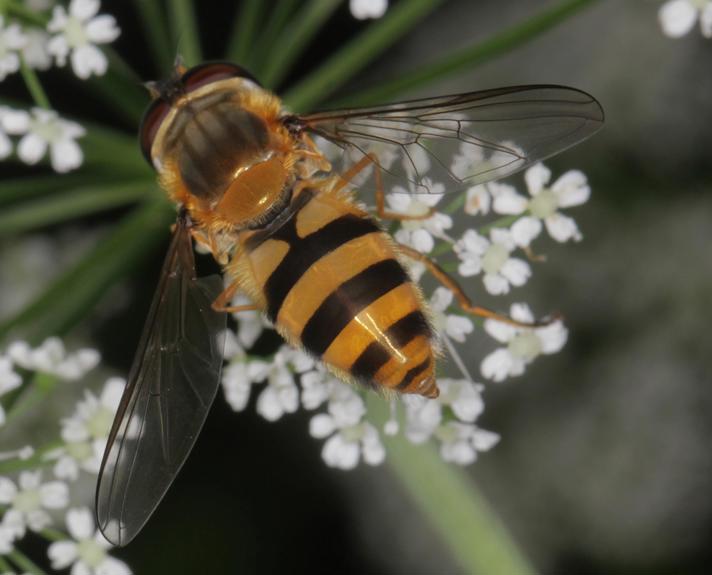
(152, 118)
(212, 72)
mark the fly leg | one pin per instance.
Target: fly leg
(465, 303)
(220, 303)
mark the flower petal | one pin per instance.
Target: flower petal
(80, 523)
(562, 228)
(102, 29)
(677, 17)
(31, 148)
(516, 271)
(62, 554)
(83, 9)
(496, 365)
(571, 189)
(88, 60)
(525, 229)
(536, 178)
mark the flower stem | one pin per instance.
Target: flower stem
(292, 42)
(23, 13)
(72, 203)
(185, 30)
(54, 534)
(243, 35)
(357, 53)
(455, 508)
(468, 58)
(37, 459)
(33, 393)
(24, 563)
(264, 49)
(153, 20)
(4, 566)
(34, 87)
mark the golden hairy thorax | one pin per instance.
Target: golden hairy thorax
(223, 153)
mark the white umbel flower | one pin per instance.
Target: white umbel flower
(419, 233)
(52, 358)
(460, 442)
(363, 9)
(571, 189)
(29, 500)
(12, 40)
(85, 433)
(35, 52)
(77, 32)
(678, 17)
(46, 129)
(9, 380)
(349, 437)
(523, 344)
(87, 551)
(493, 257)
(281, 395)
(455, 326)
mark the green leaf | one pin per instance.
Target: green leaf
(117, 153)
(184, 31)
(72, 296)
(290, 45)
(357, 53)
(153, 21)
(240, 46)
(451, 502)
(26, 188)
(24, 563)
(264, 45)
(467, 58)
(70, 204)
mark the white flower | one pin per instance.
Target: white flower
(349, 438)
(424, 416)
(419, 233)
(35, 51)
(9, 380)
(52, 358)
(477, 200)
(45, 129)
(12, 40)
(318, 386)
(87, 552)
(78, 32)
(460, 442)
(454, 325)
(571, 189)
(677, 17)
(493, 257)
(281, 394)
(250, 324)
(523, 344)
(85, 433)
(29, 501)
(363, 9)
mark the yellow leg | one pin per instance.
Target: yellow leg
(467, 306)
(220, 303)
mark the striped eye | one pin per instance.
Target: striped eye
(150, 123)
(212, 72)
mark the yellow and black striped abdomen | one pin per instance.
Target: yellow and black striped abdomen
(330, 281)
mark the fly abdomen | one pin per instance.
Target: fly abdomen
(331, 281)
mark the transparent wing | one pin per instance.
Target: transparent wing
(171, 386)
(446, 144)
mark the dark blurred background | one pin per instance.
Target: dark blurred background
(605, 463)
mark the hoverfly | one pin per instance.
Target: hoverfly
(254, 189)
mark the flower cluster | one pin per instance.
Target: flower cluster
(500, 252)
(678, 17)
(31, 501)
(69, 35)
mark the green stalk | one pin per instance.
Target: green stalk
(37, 460)
(25, 188)
(185, 31)
(23, 13)
(71, 297)
(33, 86)
(357, 53)
(453, 506)
(468, 58)
(5, 567)
(290, 45)
(153, 20)
(71, 204)
(54, 534)
(264, 48)
(243, 34)
(24, 563)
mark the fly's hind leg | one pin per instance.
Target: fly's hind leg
(467, 306)
(220, 303)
